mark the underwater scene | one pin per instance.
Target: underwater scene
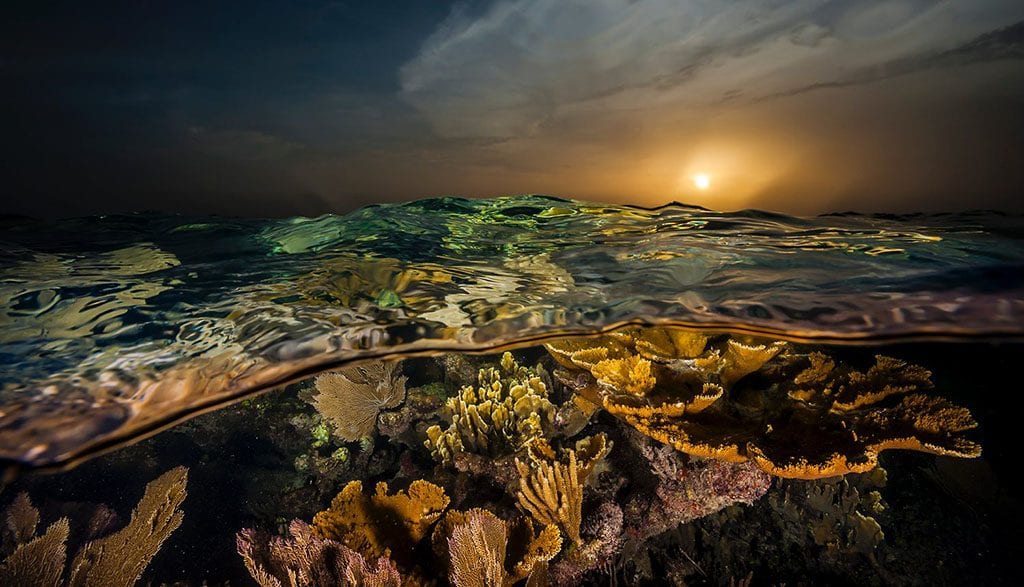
(522, 390)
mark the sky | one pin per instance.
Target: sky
(258, 108)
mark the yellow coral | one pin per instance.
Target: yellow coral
(477, 545)
(631, 375)
(503, 413)
(120, 559)
(818, 371)
(740, 360)
(380, 524)
(824, 421)
(668, 344)
(541, 549)
(40, 561)
(477, 551)
(669, 371)
(815, 432)
(888, 376)
(691, 403)
(660, 344)
(551, 491)
(117, 560)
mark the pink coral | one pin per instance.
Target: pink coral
(691, 490)
(304, 558)
(602, 540)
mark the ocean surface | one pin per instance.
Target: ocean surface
(222, 334)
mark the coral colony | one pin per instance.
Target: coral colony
(550, 474)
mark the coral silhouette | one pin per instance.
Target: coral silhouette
(115, 560)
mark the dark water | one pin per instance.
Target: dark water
(115, 328)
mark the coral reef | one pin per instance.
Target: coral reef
(501, 415)
(546, 500)
(118, 559)
(814, 420)
(381, 524)
(304, 559)
(352, 398)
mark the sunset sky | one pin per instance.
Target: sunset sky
(305, 107)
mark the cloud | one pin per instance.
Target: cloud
(241, 145)
(526, 67)
(1003, 44)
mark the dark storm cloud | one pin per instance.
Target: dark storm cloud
(1002, 44)
(265, 107)
(124, 104)
(524, 63)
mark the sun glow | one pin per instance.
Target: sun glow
(702, 181)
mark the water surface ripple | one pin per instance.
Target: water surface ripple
(114, 326)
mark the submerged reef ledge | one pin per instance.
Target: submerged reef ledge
(573, 463)
(112, 328)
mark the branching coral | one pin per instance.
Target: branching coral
(20, 521)
(379, 524)
(655, 344)
(502, 414)
(631, 375)
(352, 398)
(818, 421)
(550, 490)
(477, 551)
(478, 545)
(40, 560)
(814, 434)
(115, 560)
(304, 559)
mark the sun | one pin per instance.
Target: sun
(702, 181)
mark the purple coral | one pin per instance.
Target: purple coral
(307, 558)
(691, 490)
(602, 540)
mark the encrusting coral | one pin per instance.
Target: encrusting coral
(551, 490)
(352, 398)
(817, 420)
(504, 413)
(304, 559)
(686, 491)
(381, 524)
(116, 560)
